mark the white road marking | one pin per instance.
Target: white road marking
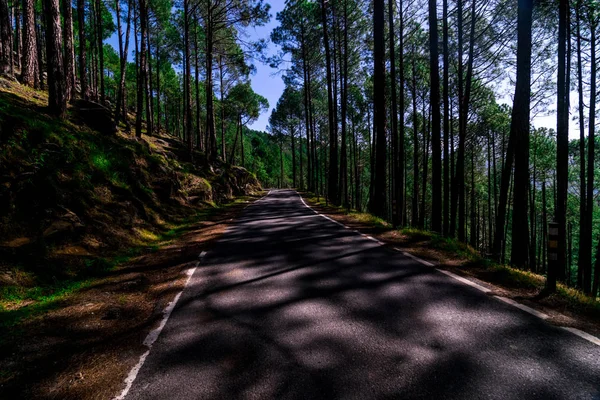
(417, 259)
(153, 335)
(464, 280)
(522, 307)
(583, 335)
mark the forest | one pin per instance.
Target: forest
(420, 112)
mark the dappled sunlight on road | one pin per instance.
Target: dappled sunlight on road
(291, 306)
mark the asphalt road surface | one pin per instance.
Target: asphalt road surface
(288, 305)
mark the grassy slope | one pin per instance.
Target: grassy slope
(75, 204)
(451, 254)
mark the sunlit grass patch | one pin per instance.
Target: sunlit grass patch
(369, 219)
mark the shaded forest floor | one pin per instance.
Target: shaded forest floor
(568, 307)
(96, 230)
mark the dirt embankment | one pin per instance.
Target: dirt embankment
(96, 229)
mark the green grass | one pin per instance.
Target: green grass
(51, 293)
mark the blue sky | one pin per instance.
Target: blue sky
(263, 82)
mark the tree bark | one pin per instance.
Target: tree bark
(69, 51)
(332, 187)
(520, 130)
(587, 276)
(141, 79)
(562, 156)
(377, 202)
(5, 40)
(436, 152)
(57, 100)
(29, 63)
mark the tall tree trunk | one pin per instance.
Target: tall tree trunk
(447, 172)
(396, 178)
(415, 194)
(306, 109)
(69, 51)
(29, 63)
(520, 129)
(459, 179)
(222, 91)
(211, 138)
(344, 156)
(377, 203)
(121, 99)
(57, 100)
(158, 102)
(18, 36)
(434, 100)
(585, 251)
(332, 188)
(596, 284)
(587, 276)
(401, 181)
(293, 143)
(99, 29)
(5, 40)
(242, 142)
(141, 79)
(187, 76)
(148, 86)
(199, 141)
(562, 156)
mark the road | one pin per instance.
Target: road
(289, 305)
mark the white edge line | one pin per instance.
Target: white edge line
(583, 335)
(464, 280)
(522, 307)
(155, 333)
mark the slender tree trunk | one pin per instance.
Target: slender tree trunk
(587, 276)
(459, 179)
(520, 130)
(293, 143)
(400, 180)
(222, 90)
(447, 172)
(121, 99)
(377, 203)
(415, 194)
(57, 100)
(344, 156)
(6, 40)
(242, 143)
(436, 152)
(29, 63)
(562, 157)
(199, 141)
(99, 30)
(186, 77)
(18, 36)
(141, 80)
(585, 251)
(148, 86)
(396, 178)
(332, 189)
(158, 94)
(69, 51)
(306, 110)
(596, 284)
(211, 148)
